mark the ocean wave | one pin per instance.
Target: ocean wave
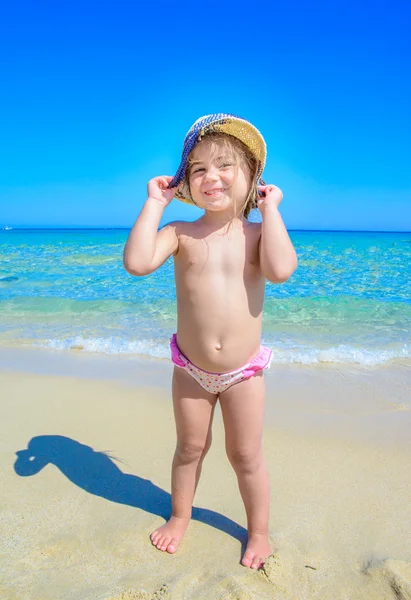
(340, 354)
(298, 354)
(109, 345)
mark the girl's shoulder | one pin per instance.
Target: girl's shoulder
(179, 227)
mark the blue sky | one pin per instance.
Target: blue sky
(97, 97)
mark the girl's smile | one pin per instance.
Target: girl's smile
(214, 192)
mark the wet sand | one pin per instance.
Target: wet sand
(85, 465)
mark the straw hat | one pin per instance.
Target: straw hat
(225, 123)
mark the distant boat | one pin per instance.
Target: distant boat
(7, 228)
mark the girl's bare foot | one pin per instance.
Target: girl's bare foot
(258, 548)
(168, 536)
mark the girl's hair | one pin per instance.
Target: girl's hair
(233, 147)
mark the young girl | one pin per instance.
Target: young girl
(221, 262)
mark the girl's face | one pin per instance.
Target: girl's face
(216, 181)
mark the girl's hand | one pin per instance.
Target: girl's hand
(158, 189)
(272, 197)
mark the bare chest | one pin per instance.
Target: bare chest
(228, 254)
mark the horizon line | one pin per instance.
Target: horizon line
(86, 228)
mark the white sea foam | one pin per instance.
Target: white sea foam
(110, 345)
(339, 354)
(282, 353)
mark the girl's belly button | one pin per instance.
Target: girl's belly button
(218, 346)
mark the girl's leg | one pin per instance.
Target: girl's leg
(193, 413)
(242, 407)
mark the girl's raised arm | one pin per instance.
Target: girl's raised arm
(147, 248)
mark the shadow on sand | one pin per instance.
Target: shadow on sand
(97, 473)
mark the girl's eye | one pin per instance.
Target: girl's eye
(222, 166)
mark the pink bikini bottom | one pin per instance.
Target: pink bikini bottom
(215, 383)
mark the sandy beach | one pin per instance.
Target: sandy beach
(85, 468)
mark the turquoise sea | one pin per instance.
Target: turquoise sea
(349, 301)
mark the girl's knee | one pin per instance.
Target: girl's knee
(246, 460)
(189, 452)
